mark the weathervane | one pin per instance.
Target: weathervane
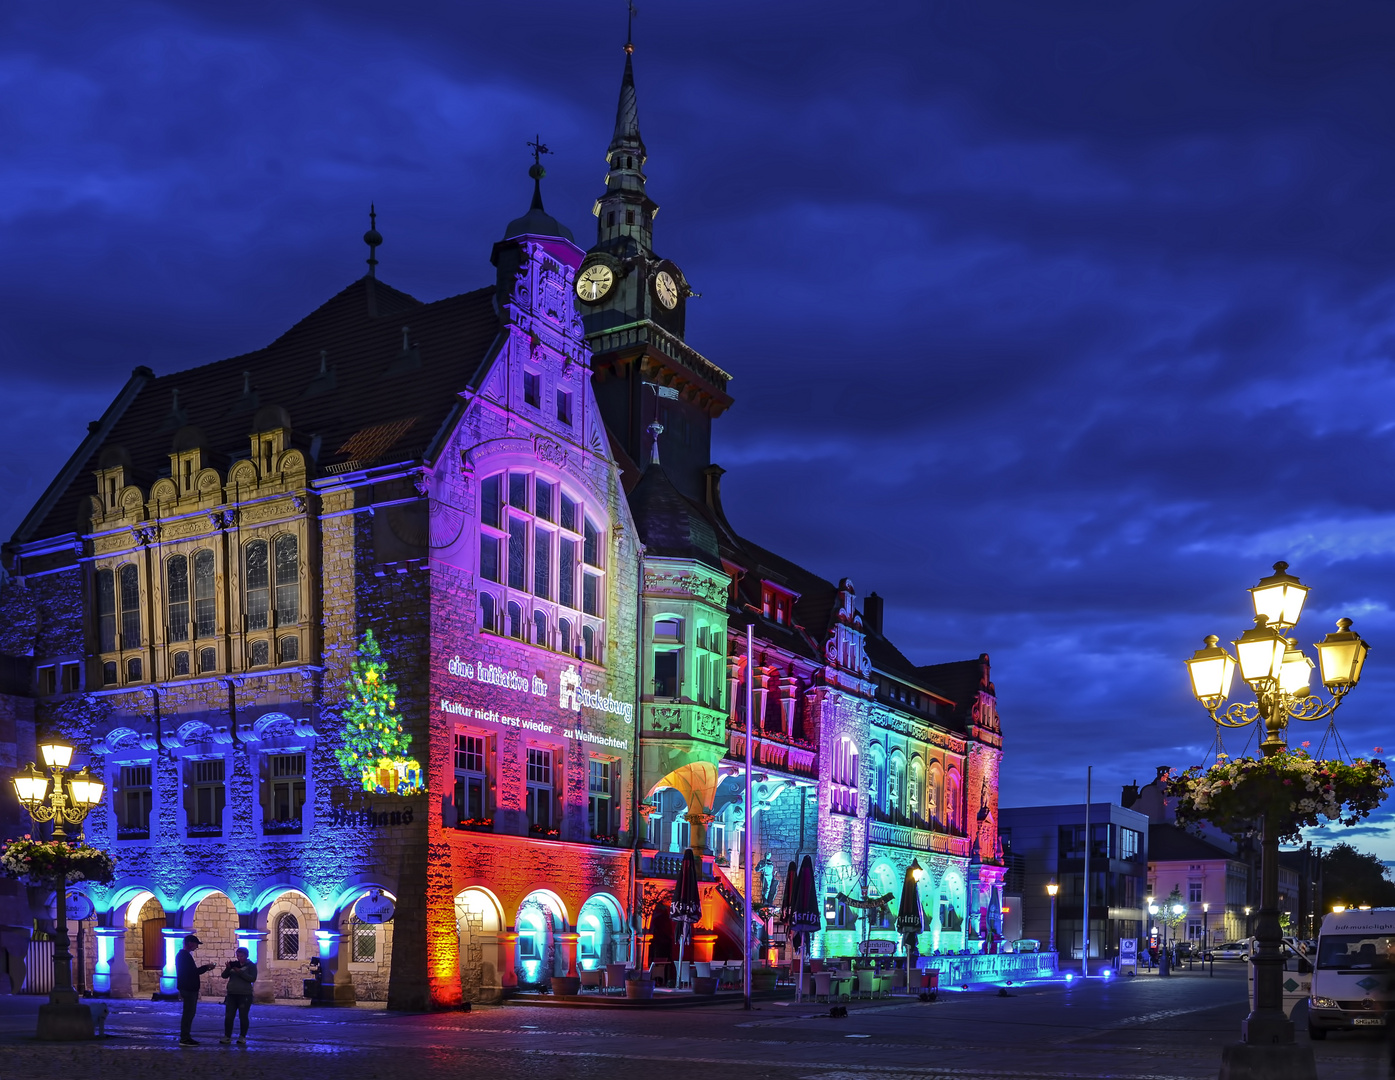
(539, 149)
(629, 27)
(372, 238)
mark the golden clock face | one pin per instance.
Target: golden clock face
(666, 288)
(594, 282)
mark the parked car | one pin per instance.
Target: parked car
(1231, 950)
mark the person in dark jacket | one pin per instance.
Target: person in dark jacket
(186, 981)
(241, 974)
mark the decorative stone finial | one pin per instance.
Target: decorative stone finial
(373, 238)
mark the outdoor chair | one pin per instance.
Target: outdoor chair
(615, 976)
(867, 983)
(593, 979)
(702, 969)
(684, 967)
(823, 985)
(658, 971)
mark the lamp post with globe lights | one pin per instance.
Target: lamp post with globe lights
(69, 801)
(1052, 889)
(1279, 675)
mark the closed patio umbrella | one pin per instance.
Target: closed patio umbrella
(805, 918)
(787, 902)
(686, 906)
(908, 917)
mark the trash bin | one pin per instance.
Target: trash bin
(310, 988)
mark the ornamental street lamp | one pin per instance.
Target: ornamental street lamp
(68, 803)
(1052, 889)
(1206, 936)
(1279, 675)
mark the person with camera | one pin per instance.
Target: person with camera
(186, 981)
(241, 973)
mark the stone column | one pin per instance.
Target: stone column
(703, 943)
(566, 950)
(174, 941)
(263, 990)
(336, 984)
(112, 975)
(642, 942)
(508, 960)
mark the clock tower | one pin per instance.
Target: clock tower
(633, 305)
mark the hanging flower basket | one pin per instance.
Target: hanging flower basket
(1289, 790)
(39, 862)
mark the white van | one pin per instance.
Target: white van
(1354, 977)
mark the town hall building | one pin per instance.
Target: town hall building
(506, 499)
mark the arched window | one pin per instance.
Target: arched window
(258, 582)
(181, 663)
(288, 649)
(130, 606)
(287, 937)
(106, 612)
(952, 814)
(133, 669)
(540, 627)
(287, 579)
(588, 643)
(260, 654)
(878, 793)
(515, 620)
(177, 597)
(208, 660)
(895, 782)
(205, 606)
(935, 796)
(487, 612)
(564, 636)
(915, 789)
(844, 787)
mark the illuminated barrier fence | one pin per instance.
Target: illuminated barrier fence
(994, 967)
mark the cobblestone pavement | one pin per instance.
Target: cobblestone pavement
(1136, 1029)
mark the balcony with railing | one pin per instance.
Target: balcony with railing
(772, 750)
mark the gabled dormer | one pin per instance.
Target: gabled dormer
(271, 435)
(777, 603)
(113, 473)
(189, 457)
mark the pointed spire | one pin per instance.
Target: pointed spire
(536, 171)
(626, 135)
(373, 239)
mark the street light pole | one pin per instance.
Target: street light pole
(72, 797)
(1279, 674)
(1206, 937)
(1052, 889)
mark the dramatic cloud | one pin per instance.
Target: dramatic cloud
(1056, 325)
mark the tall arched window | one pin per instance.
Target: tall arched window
(287, 937)
(515, 620)
(564, 636)
(844, 787)
(258, 583)
(106, 611)
(935, 795)
(878, 793)
(205, 604)
(487, 612)
(129, 592)
(287, 579)
(953, 815)
(540, 627)
(895, 781)
(177, 597)
(915, 788)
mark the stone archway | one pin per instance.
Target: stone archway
(479, 920)
(541, 917)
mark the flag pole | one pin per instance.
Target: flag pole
(746, 824)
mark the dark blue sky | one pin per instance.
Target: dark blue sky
(1055, 324)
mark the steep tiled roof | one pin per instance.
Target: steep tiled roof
(1169, 843)
(669, 524)
(373, 400)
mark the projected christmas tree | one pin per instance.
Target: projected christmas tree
(375, 743)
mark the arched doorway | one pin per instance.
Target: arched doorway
(598, 928)
(540, 918)
(478, 921)
(215, 924)
(145, 922)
